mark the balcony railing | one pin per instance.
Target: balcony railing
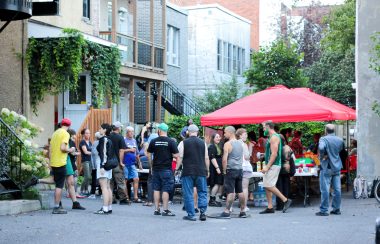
(146, 51)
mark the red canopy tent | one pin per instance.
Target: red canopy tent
(280, 104)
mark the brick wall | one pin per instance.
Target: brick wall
(248, 9)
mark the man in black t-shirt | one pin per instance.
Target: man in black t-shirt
(164, 149)
(118, 179)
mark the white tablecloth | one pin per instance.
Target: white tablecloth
(309, 174)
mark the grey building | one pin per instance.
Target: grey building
(177, 46)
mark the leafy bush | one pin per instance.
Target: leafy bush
(176, 123)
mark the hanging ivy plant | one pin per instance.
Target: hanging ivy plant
(55, 64)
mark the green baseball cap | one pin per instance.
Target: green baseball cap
(163, 127)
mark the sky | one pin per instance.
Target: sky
(270, 11)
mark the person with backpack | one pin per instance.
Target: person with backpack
(105, 151)
(330, 147)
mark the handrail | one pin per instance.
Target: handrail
(11, 130)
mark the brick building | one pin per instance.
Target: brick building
(248, 9)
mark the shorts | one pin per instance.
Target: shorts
(130, 172)
(69, 167)
(233, 181)
(163, 180)
(59, 174)
(270, 178)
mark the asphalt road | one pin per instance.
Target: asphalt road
(136, 224)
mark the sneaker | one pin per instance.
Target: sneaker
(246, 209)
(189, 218)
(59, 211)
(167, 213)
(196, 210)
(242, 215)
(267, 211)
(76, 205)
(92, 196)
(222, 198)
(157, 212)
(80, 196)
(202, 217)
(224, 215)
(214, 204)
(32, 182)
(109, 211)
(101, 211)
(322, 214)
(125, 202)
(336, 212)
(287, 205)
(138, 200)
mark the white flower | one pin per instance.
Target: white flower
(14, 114)
(5, 111)
(22, 118)
(38, 165)
(28, 143)
(25, 131)
(39, 158)
(29, 168)
(16, 159)
(34, 169)
(47, 171)
(35, 145)
(23, 166)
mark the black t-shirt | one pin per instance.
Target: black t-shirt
(163, 149)
(117, 143)
(85, 157)
(194, 157)
(72, 157)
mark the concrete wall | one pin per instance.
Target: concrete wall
(14, 80)
(206, 26)
(368, 90)
(45, 119)
(178, 74)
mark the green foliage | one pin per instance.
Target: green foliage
(375, 51)
(224, 94)
(333, 75)
(308, 130)
(176, 123)
(376, 107)
(340, 34)
(278, 64)
(55, 63)
(31, 194)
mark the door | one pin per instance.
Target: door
(77, 103)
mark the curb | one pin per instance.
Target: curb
(13, 207)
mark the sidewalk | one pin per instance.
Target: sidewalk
(136, 224)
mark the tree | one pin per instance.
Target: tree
(225, 93)
(278, 64)
(334, 73)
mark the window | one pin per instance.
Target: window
(78, 96)
(109, 16)
(220, 58)
(239, 61)
(234, 58)
(225, 56)
(229, 57)
(172, 45)
(86, 9)
(243, 59)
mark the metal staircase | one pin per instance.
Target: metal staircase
(10, 161)
(174, 100)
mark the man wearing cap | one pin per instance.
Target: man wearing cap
(193, 155)
(59, 149)
(118, 179)
(164, 149)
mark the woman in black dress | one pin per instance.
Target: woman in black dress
(215, 153)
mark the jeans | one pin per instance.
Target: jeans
(86, 176)
(188, 183)
(325, 179)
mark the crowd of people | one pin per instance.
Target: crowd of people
(226, 164)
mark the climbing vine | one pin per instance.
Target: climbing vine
(55, 64)
(375, 65)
